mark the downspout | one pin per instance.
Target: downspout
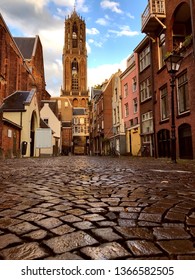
(193, 28)
(20, 130)
(153, 98)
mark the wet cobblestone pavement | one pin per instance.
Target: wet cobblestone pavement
(81, 207)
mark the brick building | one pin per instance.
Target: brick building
(130, 105)
(170, 25)
(117, 141)
(21, 73)
(143, 51)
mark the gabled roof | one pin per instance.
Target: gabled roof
(26, 46)
(52, 105)
(17, 101)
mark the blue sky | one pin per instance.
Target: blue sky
(112, 27)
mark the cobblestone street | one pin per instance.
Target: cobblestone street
(79, 207)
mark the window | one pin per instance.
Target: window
(135, 105)
(75, 75)
(147, 122)
(164, 103)
(131, 122)
(46, 120)
(136, 121)
(145, 90)
(125, 90)
(75, 120)
(126, 110)
(116, 94)
(74, 36)
(134, 84)
(161, 50)
(114, 116)
(66, 104)
(144, 58)
(9, 133)
(59, 104)
(118, 114)
(183, 95)
(82, 121)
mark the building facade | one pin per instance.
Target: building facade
(170, 26)
(117, 141)
(143, 51)
(130, 105)
(49, 119)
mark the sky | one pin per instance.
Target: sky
(113, 29)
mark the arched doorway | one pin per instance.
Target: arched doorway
(163, 138)
(185, 141)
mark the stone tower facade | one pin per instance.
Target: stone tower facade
(74, 97)
(75, 61)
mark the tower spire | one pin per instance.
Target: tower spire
(74, 5)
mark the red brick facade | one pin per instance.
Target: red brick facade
(13, 72)
(168, 36)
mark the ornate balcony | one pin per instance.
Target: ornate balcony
(152, 17)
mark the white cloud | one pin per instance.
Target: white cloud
(97, 75)
(102, 21)
(88, 47)
(113, 6)
(81, 7)
(92, 31)
(130, 15)
(124, 31)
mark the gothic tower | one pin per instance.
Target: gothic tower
(75, 61)
(73, 102)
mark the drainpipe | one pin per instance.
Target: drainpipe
(193, 28)
(153, 101)
(20, 131)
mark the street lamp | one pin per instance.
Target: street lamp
(173, 62)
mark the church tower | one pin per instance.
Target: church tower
(73, 101)
(75, 60)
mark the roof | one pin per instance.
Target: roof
(95, 92)
(79, 111)
(26, 46)
(52, 105)
(17, 101)
(66, 124)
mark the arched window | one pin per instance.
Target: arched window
(75, 102)
(75, 85)
(182, 27)
(83, 102)
(74, 36)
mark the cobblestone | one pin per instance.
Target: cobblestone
(97, 208)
